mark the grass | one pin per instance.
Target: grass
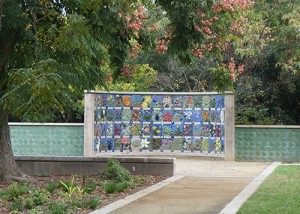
(279, 193)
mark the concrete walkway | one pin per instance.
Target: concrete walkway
(199, 186)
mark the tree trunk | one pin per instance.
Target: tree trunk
(8, 167)
(1, 12)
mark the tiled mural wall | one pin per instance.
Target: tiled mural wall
(159, 122)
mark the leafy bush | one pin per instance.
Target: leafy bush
(115, 172)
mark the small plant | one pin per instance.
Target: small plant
(70, 188)
(29, 203)
(91, 203)
(15, 205)
(81, 191)
(122, 186)
(52, 186)
(64, 184)
(39, 196)
(57, 208)
(77, 203)
(138, 181)
(44, 174)
(115, 172)
(14, 191)
(35, 211)
(111, 187)
(90, 186)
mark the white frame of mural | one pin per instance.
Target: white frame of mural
(90, 105)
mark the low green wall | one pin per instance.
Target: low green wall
(252, 143)
(38, 139)
(267, 143)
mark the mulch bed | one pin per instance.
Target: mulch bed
(40, 182)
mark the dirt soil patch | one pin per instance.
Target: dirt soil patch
(58, 199)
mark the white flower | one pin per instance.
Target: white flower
(188, 115)
(144, 143)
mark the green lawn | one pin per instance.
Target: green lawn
(279, 193)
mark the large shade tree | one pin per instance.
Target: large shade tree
(268, 92)
(50, 51)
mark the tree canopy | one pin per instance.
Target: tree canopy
(268, 92)
(53, 50)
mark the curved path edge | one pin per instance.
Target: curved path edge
(122, 202)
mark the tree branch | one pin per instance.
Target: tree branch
(34, 22)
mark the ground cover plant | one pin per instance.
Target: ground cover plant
(74, 193)
(279, 193)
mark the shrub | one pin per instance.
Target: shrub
(115, 172)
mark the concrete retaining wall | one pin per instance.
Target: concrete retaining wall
(267, 143)
(93, 165)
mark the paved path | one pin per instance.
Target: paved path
(199, 186)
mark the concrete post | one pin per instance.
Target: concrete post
(229, 127)
(89, 112)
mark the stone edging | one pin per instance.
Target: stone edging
(131, 198)
(241, 198)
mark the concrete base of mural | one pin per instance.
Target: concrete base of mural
(165, 154)
(94, 165)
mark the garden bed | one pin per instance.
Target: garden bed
(47, 194)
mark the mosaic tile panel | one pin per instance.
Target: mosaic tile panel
(37, 140)
(267, 144)
(143, 122)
